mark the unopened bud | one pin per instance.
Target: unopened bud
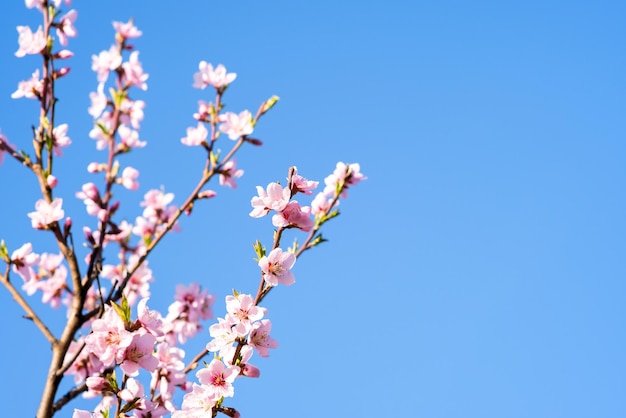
(254, 141)
(270, 103)
(52, 181)
(207, 194)
(67, 226)
(61, 72)
(64, 54)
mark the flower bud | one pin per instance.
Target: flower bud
(52, 181)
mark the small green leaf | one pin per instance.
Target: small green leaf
(4, 252)
(259, 249)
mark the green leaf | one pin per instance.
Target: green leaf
(259, 249)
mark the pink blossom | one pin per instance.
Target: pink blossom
(53, 287)
(228, 174)
(207, 76)
(276, 267)
(23, 260)
(260, 337)
(61, 140)
(294, 216)
(235, 125)
(108, 337)
(204, 110)
(197, 403)
(129, 178)
(134, 72)
(29, 89)
(138, 354)
(157, 200)
(301, 185)
(191, 305)
(218, 378)
(106, 61)
(344, 176)
(243, 309)
(127, 30)
(67, 29)
(275, 198)
(224, 334)
(321, 204)
(245, 354)
(150, 320)
(130, 138)
(98, 101)
(195, 136)
(84, 365)
(30, 43)
(132, 112)
(91, 198)
(46, 213)
(97, 133)
(138, 285)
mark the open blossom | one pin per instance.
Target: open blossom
(129, 178)
(260, 337)
(195, 136)
(218, 378)
(134, 72)
(321, 203)
(228, 173)
(53, 287)
(138, 354)
(294, 216)
(98, 101)
(67, 29)
(127, 30)
(246, 369)
(207, 76)
(345, 175)
(46, 213)
(243, 309)
(132, 112)
(130, 138)
(30, 43)
(197, 403)
(106, 61)
(23, 260)
(301, 185)
(274, 197)
(276, 267)
(29, 88)
(236, 125)
(61, 140)
(108, 337)
(224, 334)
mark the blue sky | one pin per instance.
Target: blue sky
(478, 272)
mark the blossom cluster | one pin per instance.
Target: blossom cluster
(113, 330)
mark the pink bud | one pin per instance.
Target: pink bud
(61, 72)
(52, 181)
(207, 194)
(64, 54)
(67, 226)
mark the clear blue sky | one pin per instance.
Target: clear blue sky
(479, 272)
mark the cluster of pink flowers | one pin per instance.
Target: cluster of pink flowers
(108, 336)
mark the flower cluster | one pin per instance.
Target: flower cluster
(106, 294)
